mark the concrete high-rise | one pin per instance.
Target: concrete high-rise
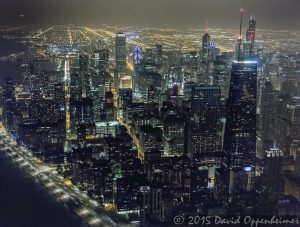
(121, 52)
(100, 66)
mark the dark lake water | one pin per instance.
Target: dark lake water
(8, 47)
(25, 203)
(11, 46)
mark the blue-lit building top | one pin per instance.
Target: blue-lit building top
(137, 55)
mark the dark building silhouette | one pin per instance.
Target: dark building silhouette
(9, 103)
(240, 130)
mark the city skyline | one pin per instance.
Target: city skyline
(150, 124)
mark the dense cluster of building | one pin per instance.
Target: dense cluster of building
(157, 133)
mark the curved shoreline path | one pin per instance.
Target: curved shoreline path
(74, 200)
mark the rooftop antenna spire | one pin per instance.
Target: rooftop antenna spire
(241, 22)
(252, 35)
(206, 26)
(240, 37)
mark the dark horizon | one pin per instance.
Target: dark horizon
(272, 14)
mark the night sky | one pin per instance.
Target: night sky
(272, 14)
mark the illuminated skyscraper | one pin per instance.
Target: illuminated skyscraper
(121, 52)
(27, 76)
(87, 88)
(74, 96)
(221, 73)
(76, 87)
(250, 34)
(159, 55)
(137, 59)
(205, 104)
(100, 66)
(67, 71)
(204, 139)
(250, 37)
(205, 47)
(60, 102)
(100, 60)
(238, 165)
(240, 130)
(100, 75)
(85, 125)
(84, 68)
(137, 55)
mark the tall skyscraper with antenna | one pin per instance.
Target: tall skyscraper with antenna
(240, 38)
(121, 52)
(250, 33)
(240, 130)
(250, 36)
(205, 45)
